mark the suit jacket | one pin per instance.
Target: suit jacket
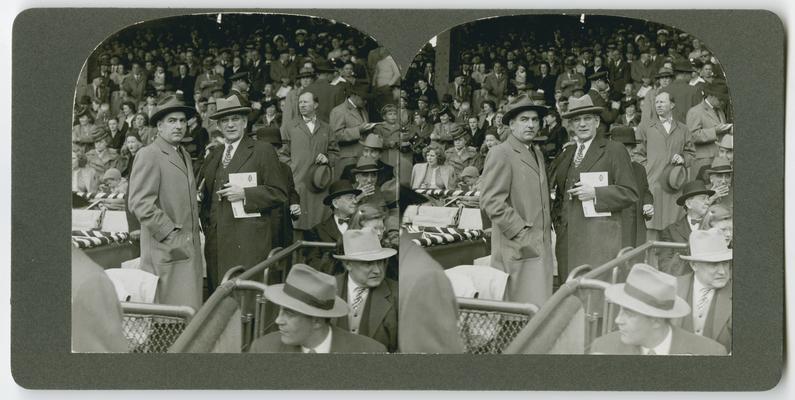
(447, 173)
(593, 241)
(321, 259)
(682, 342)
(718, 325)
(163, 199)
(342, 341)
(136, 88)
(685, 96)
(608, 115)
(619, 74)
(328, 95)
(668, 259)
(496, 87)
(702, 120)
(514, 195)
(428, 309)
(380, 313)
(345, 122)
(234, 241)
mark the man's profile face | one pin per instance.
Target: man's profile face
(345, 204)
(306, 104)
(525, 126)
(172, 127)
(714, 275)
(232, 127)
(634, 327)
(584, 126)
(294, 327)
(371, 152)
(366, 273)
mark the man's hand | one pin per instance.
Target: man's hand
(583, 191)
(724, 127)
(367, 190)
(615, 105)
(232, 192)
(295, 209)
(648, 210)
(366, 126)
(720, 191)
(677, 159)
(321, 159)
(256, 105)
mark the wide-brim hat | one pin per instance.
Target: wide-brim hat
(270, 135)
(578, 106)
(229, 106)
(363, 245)
(305, 74)
(300, 32)
(324, 66)
(457, 131)
(708, 246)
(673, 177)
(308, 292)
(649, 292)
(727, 142)
(366, 164)
(239, 75)
(693, 188)
(664, 73)
(339, 188)
(720, 165)
(319, 177)
(373, 141)
(624, 135)
(521, 104)
(170, 104)
(683, 66)
(717, 89)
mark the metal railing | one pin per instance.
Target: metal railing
(153, 328)
(247, 286)
(488, 326)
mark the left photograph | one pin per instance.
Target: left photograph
(234, 188)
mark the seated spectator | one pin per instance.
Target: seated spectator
(84, 178)
(695, 200)
(84, 133)
(369, 217)
(460, 155)
(113, 183)
(442, 130)
(143, 130)
(719, 217)
(101, 157)
(127, 155)
(433, 173)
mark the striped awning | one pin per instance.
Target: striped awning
(447, 193)
(99, 195)
(94, 238)
(434, 236)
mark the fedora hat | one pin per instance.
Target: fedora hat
(270, 135)
(720, 165)
(674, 177)
(324, 66)
(366, 164)
(339, 188)
(457, 132)
(649, 292)
(363, 245)
(693, 188)
(373, 141)
(579, 106)
(683, 66)
(522, 103)
(708, 246)
(664, 73)
(168, 105)
(229, 106)
(308, 292)
(319, 177)
(239, 75)
(717, 89)
(727, 142)
(624, 135)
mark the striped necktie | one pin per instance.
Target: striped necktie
(702, 300)
(227, 156)
(358, 296)
(579, 156)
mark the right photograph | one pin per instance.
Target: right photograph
(566, 188)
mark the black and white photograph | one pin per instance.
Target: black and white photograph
(568, 190)
(234, 188)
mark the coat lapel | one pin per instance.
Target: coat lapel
(242, 154)
(210, 167)
(342, 292)
(722, 308)
(594, 153)
(524, 154)
(683, 227)
(173, 156)
(380, 303)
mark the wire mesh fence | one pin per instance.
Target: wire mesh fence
(489, 332)
(151, 334)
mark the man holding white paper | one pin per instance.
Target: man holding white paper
(242, 184)
(593, 181)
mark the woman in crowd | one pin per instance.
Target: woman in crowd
(131, 146)
(142, 128)
(441, 130)
(84, 132)
(433, 173)
(369, 217)
(84, 178)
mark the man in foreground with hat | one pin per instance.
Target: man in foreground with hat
(237, 216)
(163, 198)
(307, 304)
(515, 196)
(593, 174)
(695, 202)
(372, 297)
(666, 150)
(649, 302)
(708, 289)
(349, 121)
(707, 123)
(342, 199)
(372, 147)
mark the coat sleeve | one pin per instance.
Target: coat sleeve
(494, 194)
(273, 190)
(333, 149)
(700, 133)
(623, 192)
(343, 133)
(144, 202)
(284, 151)
(640, 148)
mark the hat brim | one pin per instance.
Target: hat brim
(681, 200)
(712, 257)
(665, 75)
(719, 171)
(580, 111)
(372, 147)
(321, 177)
(275, 293)
(509, 115)
(230, 111)
(617, 295)
(157, 116)
(327, 200)
(376, 255)
(365, 169)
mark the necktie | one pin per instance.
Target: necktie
(181, 155)
(579, 156)
(227, 156)
(358, 296)
(343, 221)
(702, 300)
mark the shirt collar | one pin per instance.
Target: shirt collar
(664, 348)
(323, 348)
(308, 120)
(586, 144)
